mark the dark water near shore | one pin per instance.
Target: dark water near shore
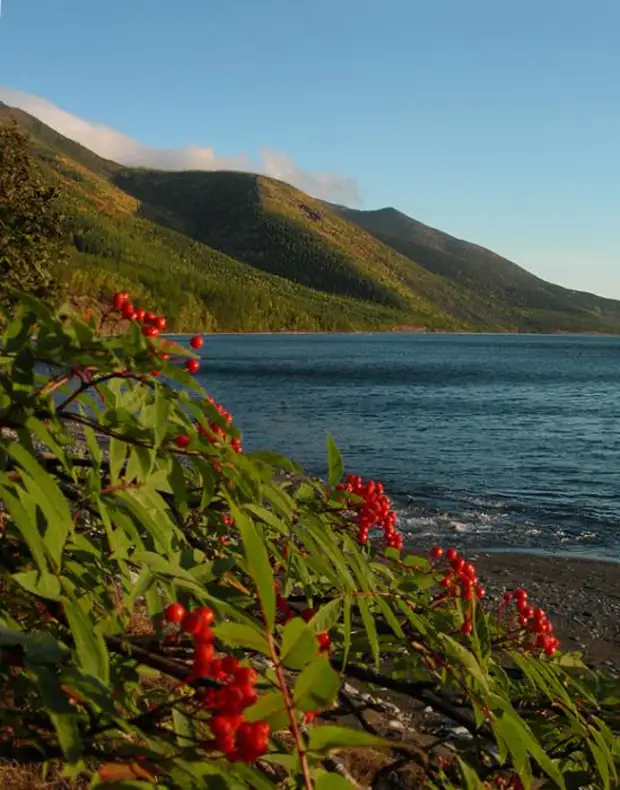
(484, 441)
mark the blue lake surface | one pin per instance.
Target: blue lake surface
(483, 441)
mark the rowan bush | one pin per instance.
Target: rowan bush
(177, 612)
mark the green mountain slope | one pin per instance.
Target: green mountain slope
(535, 303)
(240, 252)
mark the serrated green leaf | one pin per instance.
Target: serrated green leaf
(327, 617)
(317, 686)
(23, 512)
(89, 643)
(61, 713)
(258, 563)
(45, 491)
(45, 585)
(271, 708)
(334, 462)
(370, 627)
(238, 635)
(299, 645)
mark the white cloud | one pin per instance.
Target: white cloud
(112, 144)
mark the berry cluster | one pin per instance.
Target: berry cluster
(214, 432)
(237, 739)
(460, 580)
(287, 613)
(375, 510)
(533, 623)
(152, 325)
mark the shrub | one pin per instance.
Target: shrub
(177, 612)
(32, 233)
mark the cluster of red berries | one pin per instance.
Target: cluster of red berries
(288, 613)
(152, 325)
(537, 626)
(375, 510)
(214, 432)
(460, 580)
(237, 739)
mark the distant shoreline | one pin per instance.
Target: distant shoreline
(444, 332)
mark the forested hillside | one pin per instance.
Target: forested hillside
(231, 251)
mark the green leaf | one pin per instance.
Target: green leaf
(271, 708)
(258, 563)
(117, 450)
(23, 513)
(327, 738)
(61, 713)
(45, 491)
(184, 728)
(40, 429)
(317, 686)
(519, 737)
(466, 659)
(299, 645)
(470, 777)
(334, 462)
(89, 642)
(40, 647)
(45, 585)
(326, 617)
(238, 635)
(347, 628)
(369, 625)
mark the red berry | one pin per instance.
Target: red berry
(139, 314)
(308, 614)
(197, 342)
(119, 299)
(480, 591)
(174, 613)
(246, 676)
(436, 552)
(149, 318)
(201, 669)
(206, 615)
(324, 641)
(191, 623)
(452, 555)
(182, 441)
(150, 331)
(160, 323)
(127, 311)
(204, 651)
(467, 627)
(230, 665)
(192, 365)
(203, 633)
(508, 597)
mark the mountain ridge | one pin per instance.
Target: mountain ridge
(239, 251)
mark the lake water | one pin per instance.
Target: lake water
(483, 441)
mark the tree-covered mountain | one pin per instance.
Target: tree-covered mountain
(229, 251)
(490, 275)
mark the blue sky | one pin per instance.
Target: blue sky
(497, 122)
